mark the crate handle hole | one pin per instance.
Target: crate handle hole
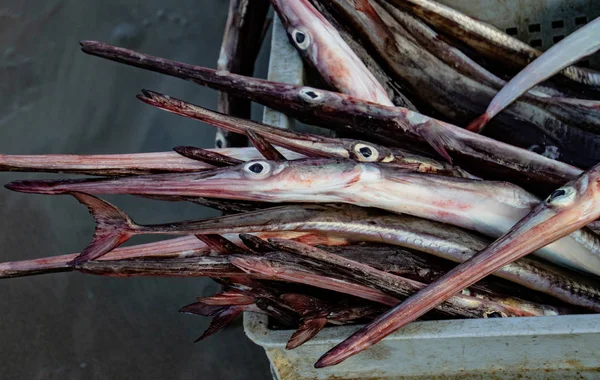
(534, 28)
(512, 31)
(581, 20)
(536, 43)
(558, 24)
(556, 39)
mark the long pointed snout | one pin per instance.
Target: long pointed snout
(269, 181)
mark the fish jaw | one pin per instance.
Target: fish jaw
(270, 181)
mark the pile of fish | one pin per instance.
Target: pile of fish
(425, 205)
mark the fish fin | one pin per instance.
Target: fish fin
(435, 135)
(256, 244)
(477, 125)
(264, 146)
(221, 245)
(228, 298)
(113, 227)
(305, 332)
(207, 156)
(220, 321)
(365, 7)
(302, 304)
(199, 308)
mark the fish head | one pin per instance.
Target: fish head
(567, 209)
(297, 180)
(304, 24)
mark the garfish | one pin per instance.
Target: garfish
(568, 208)
(397, 126)
(178, 248)
(575, 46)
(322, 46)
(485, 38)
(283, 269)
(244, 33)
(490, 208)
(347, 223)
(305, 144)
(580, 112)
(392, 282)
(459, 98)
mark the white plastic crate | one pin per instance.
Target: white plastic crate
(534, 348)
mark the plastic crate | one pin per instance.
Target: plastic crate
(535, 347)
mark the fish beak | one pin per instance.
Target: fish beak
(220, 183)
(543, 225)
(308, 145)
(261, 180)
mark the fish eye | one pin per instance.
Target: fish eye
(310, 95)
(257, 169)
(366, 153)
(301, 39)
(561, 196)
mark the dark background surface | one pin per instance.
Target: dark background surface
(55, 99)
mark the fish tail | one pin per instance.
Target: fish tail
(113, 227)
(305, 332)
(477, 125)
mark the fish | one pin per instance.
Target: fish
(579, 112)
(397, 284)
(393, 88)
(283, 270)
(459, 99)
(242, 39)
(178, 248)
(565, 210)
(305, 144)
(321, 45)
(486, 39)
(347, 223)
(479, 155)
(487, 207)
(316, 313)
(576, 46)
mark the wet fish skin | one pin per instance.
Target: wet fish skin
(582, 113)
(460, 99)
(395, 284)
(464, 306)
(485, 38)
(323, 47)
(564, 211)
(351, 223)
(395, 125)
(183, 247)
(491, 208)
(394, 90)
(306, 144)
